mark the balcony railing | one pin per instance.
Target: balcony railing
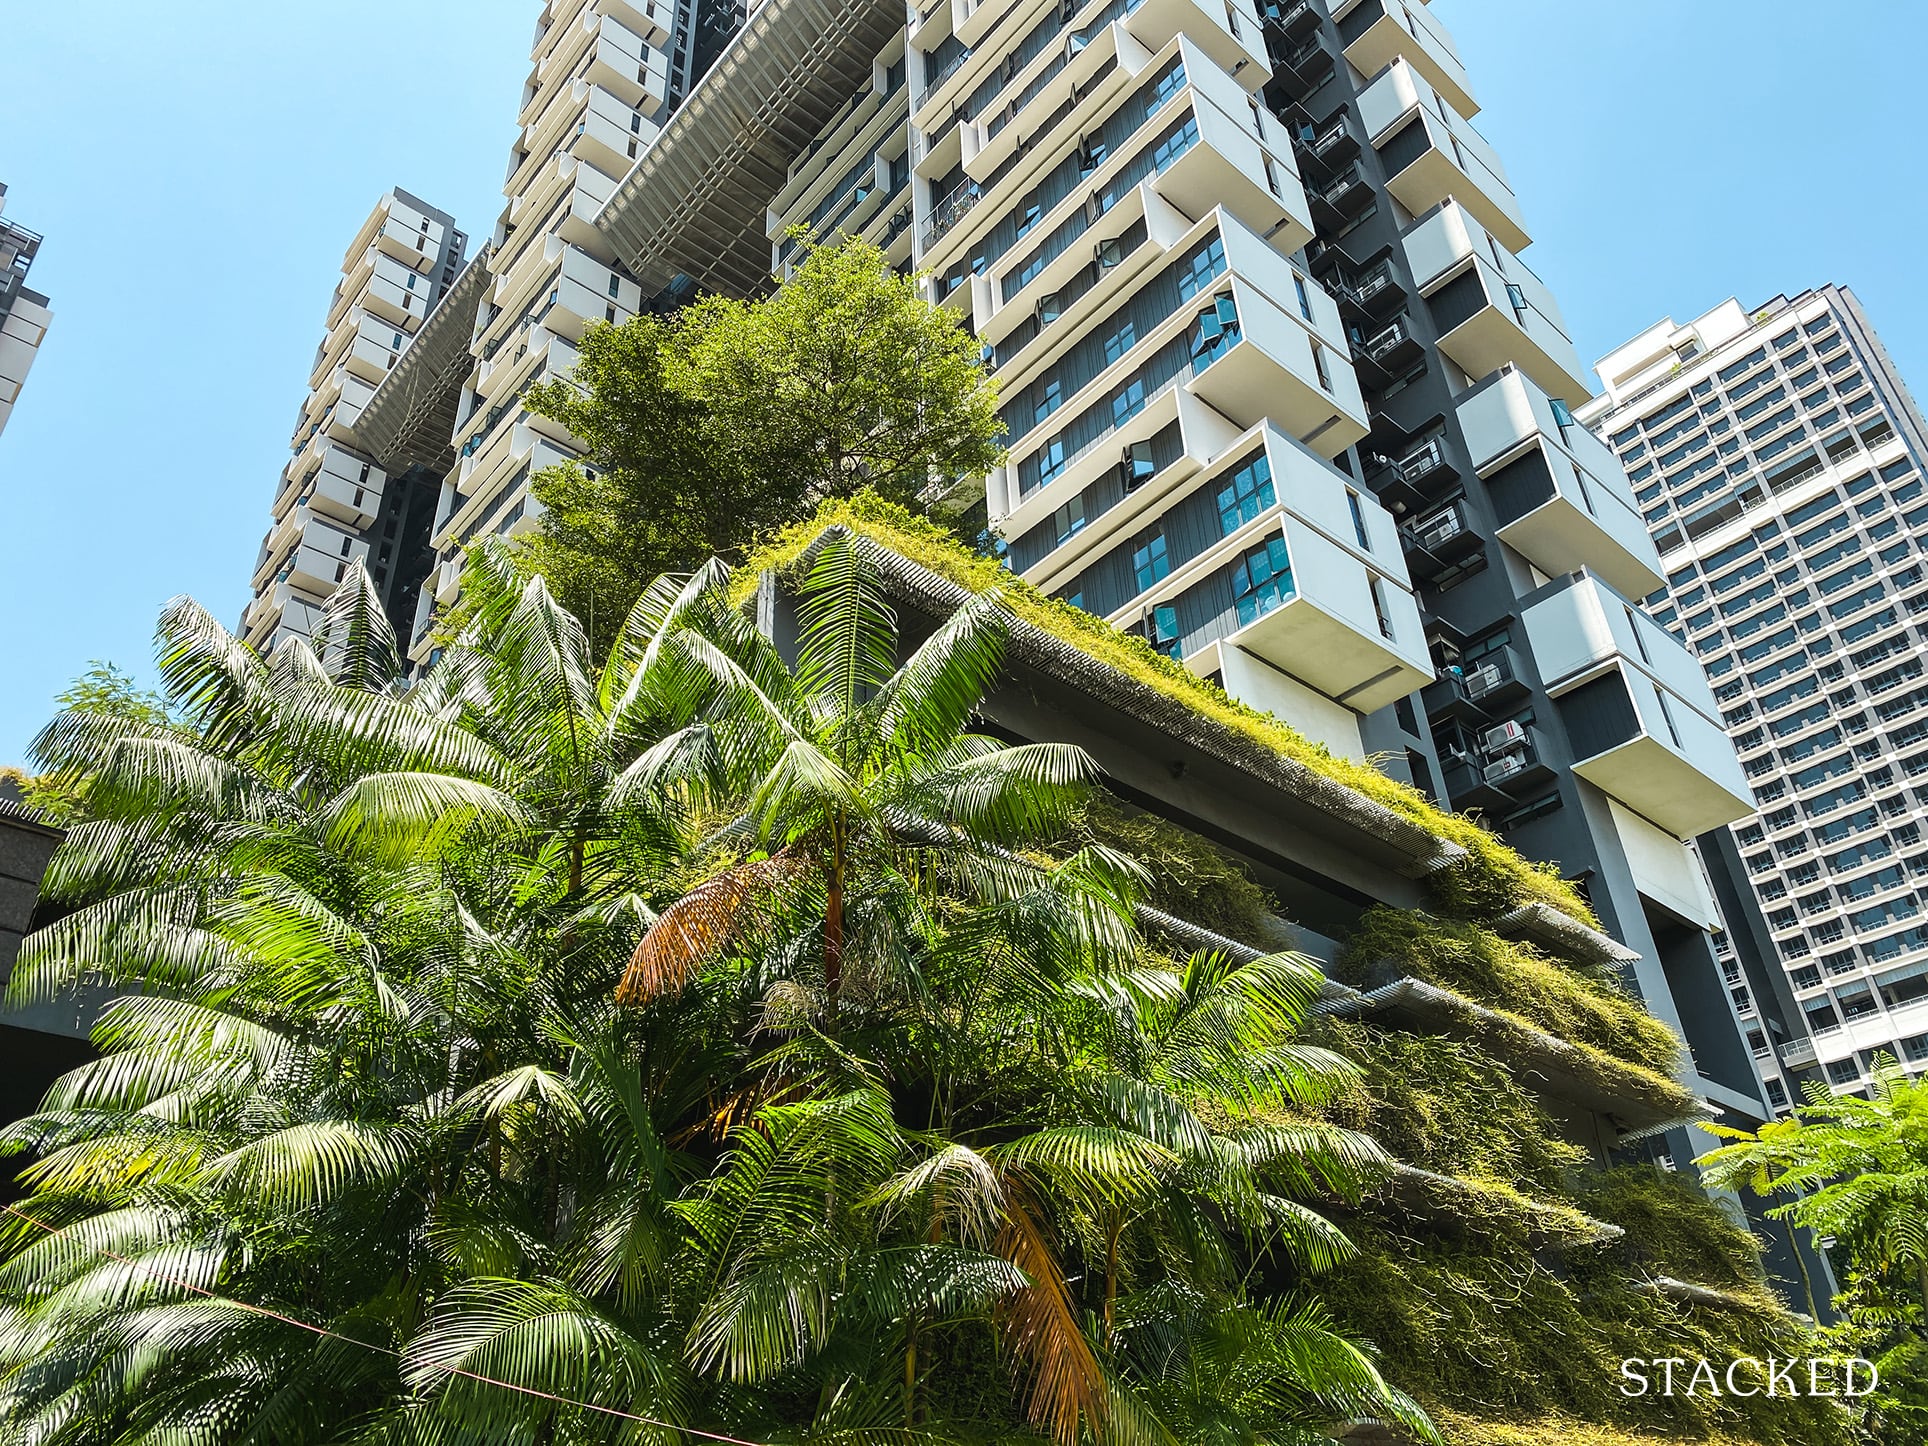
(955, 206)
(934, 82)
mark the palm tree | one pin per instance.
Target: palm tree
(894, 1104)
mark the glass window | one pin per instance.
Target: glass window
(1207, 265)
(1262, 580)
(1069, 520)
(1357, 511)
(1151, 562)
(1247, 493)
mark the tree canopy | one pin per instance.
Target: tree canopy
(708, 428)
(1853, 1169)
(587, 1048)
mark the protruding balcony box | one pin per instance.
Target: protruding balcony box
(1326, 634)
(1231, 34)
(1283, 367)
(619, 62)
(1229, 166)
(1327, 631)
(342, 493)
(1636, 707)
(1490, 308)
(648, 20)
(1432, 152)
(323, 556)
(1378, 32)
(1563, 501)
(603, 135)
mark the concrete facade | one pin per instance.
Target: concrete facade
(25, 314)
(335, 503)
(1780, 463)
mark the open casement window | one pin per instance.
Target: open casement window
(1215, 332)
(1262, 581)
(1161, 631)
(1137, 467)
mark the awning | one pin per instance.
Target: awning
(696, 202)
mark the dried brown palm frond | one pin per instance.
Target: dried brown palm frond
(691, 931)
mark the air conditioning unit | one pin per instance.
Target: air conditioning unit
(1504, 769)
(1501, 739)
(1482, 681)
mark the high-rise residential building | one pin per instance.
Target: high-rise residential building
(605, 74)
(335, 503)
(1780, 460)
(1282, 395)
(24, 314)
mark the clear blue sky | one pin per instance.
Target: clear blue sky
(198, 168)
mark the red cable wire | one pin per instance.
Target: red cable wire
(324, 1332)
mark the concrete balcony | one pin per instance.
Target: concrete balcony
(1490, 308)
(1637, 709)
(647, 21)
(1338, 616)
(347, 490)
(400, 305)
(1378, 32)
(1431, 152)
(609, 135)
(371, 357)
(1229, 33)
(1563, 501)
(412, 247)
(1276, 365)
(1244, 164)
(322, 558)
(622, 64)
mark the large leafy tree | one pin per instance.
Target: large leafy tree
(707, 428)
(1853, 1169)
(900, 1124)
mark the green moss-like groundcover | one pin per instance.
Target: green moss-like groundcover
(1587, 1009)
(1493, 879)
(1508, 1334)
(1511, 1336)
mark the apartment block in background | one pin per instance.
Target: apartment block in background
(24, 314)
(605, 75)
(335, 503)
(1779, 461)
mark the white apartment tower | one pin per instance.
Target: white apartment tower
(1780, 463)
(24, 314)
(335, 503)
(604, 75)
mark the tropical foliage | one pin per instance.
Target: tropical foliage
(1853, 1169)
(896, 1129)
